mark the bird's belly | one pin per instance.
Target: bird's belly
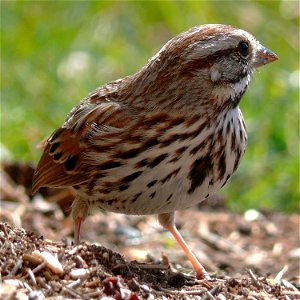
(161, 190)
(165, 179)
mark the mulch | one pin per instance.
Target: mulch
(249, 256)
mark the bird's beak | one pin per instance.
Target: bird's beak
(264, 56)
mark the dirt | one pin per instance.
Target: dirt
(249, 256)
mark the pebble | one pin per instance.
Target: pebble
(79, 273)
(252, 215)
(51, 262)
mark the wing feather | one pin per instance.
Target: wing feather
(64, 162)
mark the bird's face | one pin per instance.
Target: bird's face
(206, 62)
(230, 53)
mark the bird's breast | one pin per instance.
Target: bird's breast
(182, 166)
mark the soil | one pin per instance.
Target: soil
(249, 256)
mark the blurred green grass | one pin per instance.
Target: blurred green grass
(54, 53)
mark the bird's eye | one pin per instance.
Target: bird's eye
(244, 49)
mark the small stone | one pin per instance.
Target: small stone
(79, 273)
(145, 287)
(252, 215)
(36, 295)
(51, 262)
(125, 293)
(150, 297)
(13, 282)
(295, 254)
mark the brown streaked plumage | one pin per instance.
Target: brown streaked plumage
(162, 139)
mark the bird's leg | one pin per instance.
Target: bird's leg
(79, 212)
(168, 221)
(77, 227)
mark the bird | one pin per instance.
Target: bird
(162, 139)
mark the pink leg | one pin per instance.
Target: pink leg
(77, 226)
(167, 220)
(79, 212)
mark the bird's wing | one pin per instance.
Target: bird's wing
(63, 162)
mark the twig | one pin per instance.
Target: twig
(74, 283)
(280, 274)
(31, 275)
(93, 283)
(287, 284)
(152, 266)
(94, 294)
(254, 279)
(217, 242)
(215, 290)
(73, 293)
(190, 292)
(16, 268)
(209, 296)
(4, 230)
(27, 286)
(42, 283)
(39, 267)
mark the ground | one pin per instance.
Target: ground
(249, 256)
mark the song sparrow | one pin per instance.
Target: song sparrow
(162, 139)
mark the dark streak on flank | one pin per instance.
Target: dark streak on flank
(171, 139)
(106, 190)
(198, 147)
(237, 159)
(131, 177)
(129, 154)
(170, 196)
(123, 187)
(241, 135)
(110, 164)
(177, 155)
(180, 150)
(222, 166)
(170, 175)
(199, 171)
(141, 163)
(152, 195)
(136, 197)
(190, 121)
(174, 159)
(100, 175)
(92, 183)
(169, 124)
(152, 120)
(228, 129)
(181, 137)
(136, 151)
(228, 176)
(151, 183)
(157, 160)
(176, 121)
(233, 141)
(150, 143)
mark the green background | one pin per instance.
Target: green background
(55, 53)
